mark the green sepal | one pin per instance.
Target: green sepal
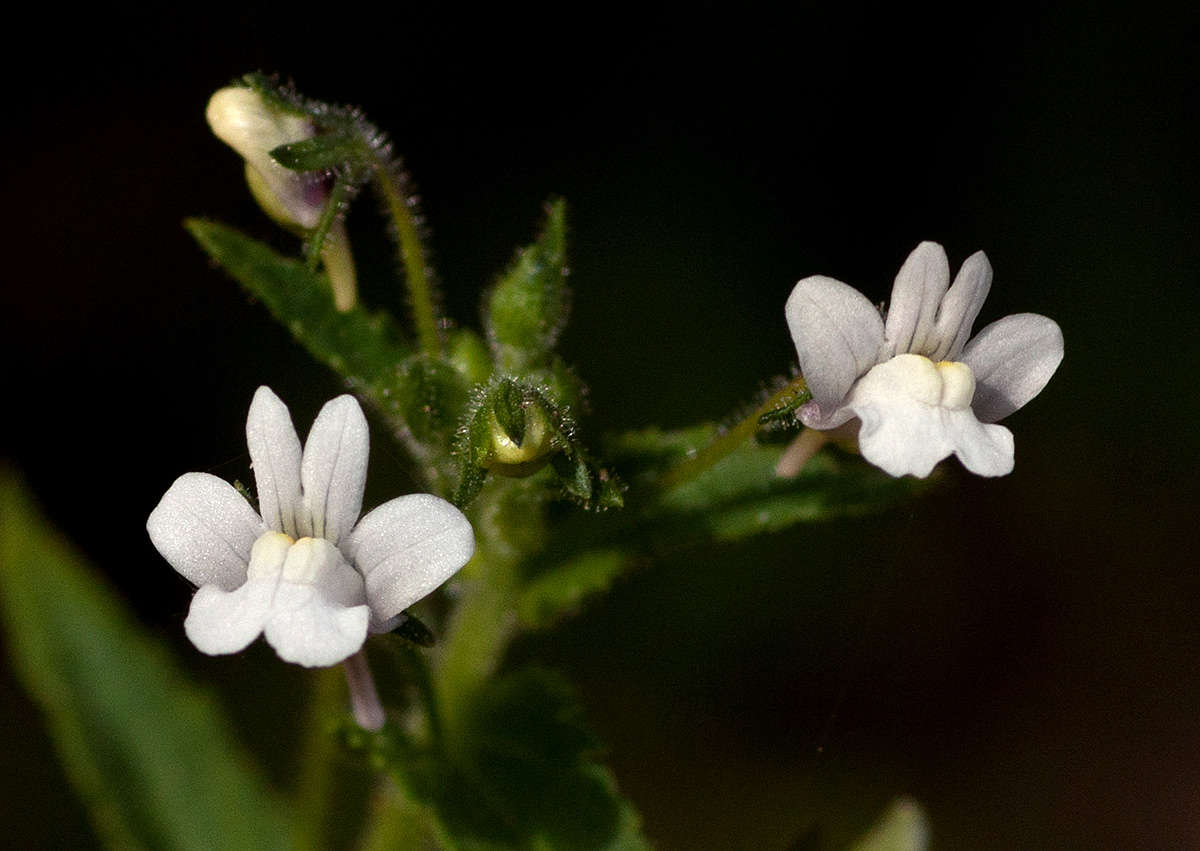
(412, 630)
(783, 418)
(278, 96)
(320, 153)
(526, 310)
(152, 755)
(509, 403)
(574, 476)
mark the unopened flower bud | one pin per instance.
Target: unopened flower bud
(521, 457)
(242, 119)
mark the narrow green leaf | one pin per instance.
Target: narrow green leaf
(742, 496)
(527, 309)
(150, 754)
(339, 198)
(364, 347)
(738, 497)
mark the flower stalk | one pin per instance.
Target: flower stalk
(732, 438)
(364, 697)
(412, 254)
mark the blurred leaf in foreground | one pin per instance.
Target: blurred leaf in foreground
(149, 753)
(738, 497)
(903, 827)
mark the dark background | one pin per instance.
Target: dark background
(1019, 654)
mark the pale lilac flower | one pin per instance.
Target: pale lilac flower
(919, 390)
(304, 573)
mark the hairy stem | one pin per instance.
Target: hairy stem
(731, 439)
(412, 256)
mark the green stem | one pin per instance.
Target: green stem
(507, 520)
(412, 255)
(731, 439)
(314, 787)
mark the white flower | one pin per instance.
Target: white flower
(304, 573)
(918, 388)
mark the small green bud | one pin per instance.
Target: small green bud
(521, 456)
(514, 428)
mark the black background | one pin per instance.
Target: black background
(1017, 654)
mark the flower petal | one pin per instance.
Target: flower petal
(334, 468)
(916, 294)
(960, 306)
(275, 457)
(1012, 359)
(308, 629)
(204, 529)
(985, 450)
(904, 432)
(407, 547)
(221, 622)
(837, 334)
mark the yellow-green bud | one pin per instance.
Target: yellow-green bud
(516, 460)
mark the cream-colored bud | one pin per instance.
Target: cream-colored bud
(242, 119)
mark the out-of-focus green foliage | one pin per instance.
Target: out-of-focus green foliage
(150, 754)
(903, 827)
(517, 770)
(738, 497)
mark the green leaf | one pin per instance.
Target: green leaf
(741, 495)
(335, 150)
(523, 773)
(149, 753)
(561, 591)
(904, 827)
(364, 347)
(738, 497)
(430, 397)
(527, 309)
